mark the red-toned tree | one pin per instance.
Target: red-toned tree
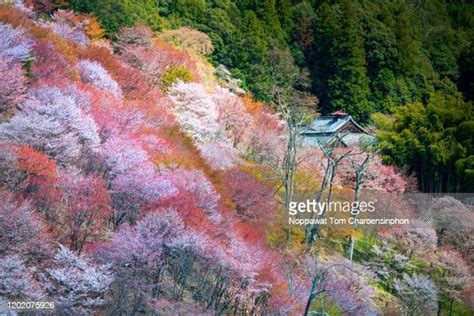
(131, 81)
(86, 207)
(49, 64)
(253, 199)
(30, 173)
(40, 179)
(199, 191)
(366, 170)
(154, 60)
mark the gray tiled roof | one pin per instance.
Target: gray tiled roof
(324, 130)
(327, 124)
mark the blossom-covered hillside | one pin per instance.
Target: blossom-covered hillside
(135, 181)
(116, 189)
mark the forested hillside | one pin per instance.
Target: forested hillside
(362, 57)
(150, 157)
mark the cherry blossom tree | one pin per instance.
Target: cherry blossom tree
(86, 203)
(154, 60)
(137, 255)
(196, 112)
(17, 281)
(341, 281)
(18, 4)
(93, 73)
(131, 81)
(417, 238)
(52, 121)
(454, 223)
(68, 25)
(22, 232)
(12, 85)
(265, 140)
(139, 35)
(11, 177)
(397, 251)
(162, 255)
(77, 284)
(417, 293)
(135, 181)
(232, 115)
(197, 115)
(219, 155)
(196, 187)
(49, 63)
(224, 275)
(14, 45)
(453, 278)
(24, 244)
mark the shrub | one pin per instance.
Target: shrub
(189, 40)
(139, 35)
(174, 74)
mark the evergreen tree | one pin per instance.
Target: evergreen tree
(339, 71)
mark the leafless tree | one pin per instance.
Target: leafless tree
(359, 168)
(284, 77)
(332, 161)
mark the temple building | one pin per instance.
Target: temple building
(338, 129)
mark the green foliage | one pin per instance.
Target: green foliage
(433, 140)
(114, 14)
(465, 172)
(375, 55)
(364, 56)
(174, 74)
(363, 246)
(339, 71)
(324, 306)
